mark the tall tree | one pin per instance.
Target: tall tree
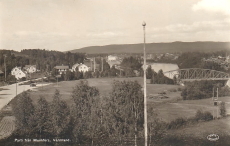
(126, 108)
(23, 110)
(59, 115)
(42, 115)
(85, 110)
(149, 72)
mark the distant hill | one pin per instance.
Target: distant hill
(157, 47)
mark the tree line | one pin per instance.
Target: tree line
(204, 89)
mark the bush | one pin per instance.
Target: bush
(222, 109)
(173, 90)
(199, 89)
(204, 116)
(177, 123)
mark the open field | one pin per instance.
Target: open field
(188, 108)
(104, 85)
(168, 108)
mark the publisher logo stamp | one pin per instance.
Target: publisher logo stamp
(213, 137)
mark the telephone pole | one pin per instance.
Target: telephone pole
(145, 100)
(94, 65)
(91, 67)
(5, 65)
(102, 64)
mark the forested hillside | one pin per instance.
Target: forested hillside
(43, 59)
(157, 47)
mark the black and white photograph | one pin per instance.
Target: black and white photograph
(114, 72)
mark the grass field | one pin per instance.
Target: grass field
(168, 109)
(104, 85)
(202, 129)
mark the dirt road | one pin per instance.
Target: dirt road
(7, 93)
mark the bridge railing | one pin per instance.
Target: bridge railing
(197, 74)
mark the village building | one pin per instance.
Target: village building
(62, 69)
(15, 70)
(83, 68)
(112, 58)
(18, 73)
(74, 67)
(30, 68)
(80, 67)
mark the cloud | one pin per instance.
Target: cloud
(221, 6)
(204, 26)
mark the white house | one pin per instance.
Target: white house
(62, 69)
(18, 73)
(80, 67)
(83, 68)
(15, 70)
(30, 68)
(74, 67)
(112, 58)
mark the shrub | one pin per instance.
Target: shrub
(177, 123)
(222, 109)
(173, 90)
(204, 116)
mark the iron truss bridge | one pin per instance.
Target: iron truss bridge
(190, 74)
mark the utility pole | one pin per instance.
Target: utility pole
(5, 65)
(94, 64)
(217, 93)
(145, 100)
(91, 65)
(102, 64)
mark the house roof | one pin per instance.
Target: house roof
(1, 72)
(62, 67)
(20, 71)
(82, 65)
(17, 67)
(75, 65)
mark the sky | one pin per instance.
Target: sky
(72, 24)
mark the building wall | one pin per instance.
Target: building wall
(20, 74)
(15, 70)
(112, 58)
(83, 68)
(31, 69)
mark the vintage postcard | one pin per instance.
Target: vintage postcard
(114, 72)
